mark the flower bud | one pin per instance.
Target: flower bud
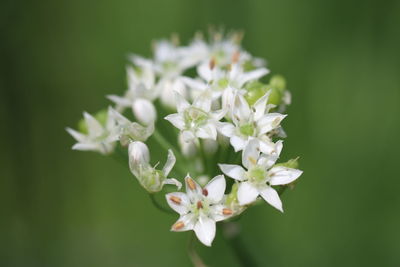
(144, 111)
(189, 149)
(139, 156)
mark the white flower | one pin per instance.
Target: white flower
(100, 138)
(142, 91)
(200, 208)
(218, 80)
(260, 175)
(251, 123)
(131, 131)
(149, 177)
(196, 120)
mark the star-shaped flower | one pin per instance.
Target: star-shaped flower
(260, 175)
(148, 176)
(250, 123)
(98, 137)
(196, 120)
(200, 208)
(142, 91)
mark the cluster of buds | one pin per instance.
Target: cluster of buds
(205, 105)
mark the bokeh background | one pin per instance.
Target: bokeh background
(65, 208)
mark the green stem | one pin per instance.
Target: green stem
(231, 234)
(193, 255)
(158, 205)
(167, 145)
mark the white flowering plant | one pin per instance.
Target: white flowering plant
(209, 107)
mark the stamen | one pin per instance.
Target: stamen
(227, 211)
(205, 192)
(176, 200)
(235, 56)
(252, 160)
(191, 183)
(178, 225)
(212, 63)
(199, 205)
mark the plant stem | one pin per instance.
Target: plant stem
(232, 236)
(167, 145)
(193, 255)
(158, 205)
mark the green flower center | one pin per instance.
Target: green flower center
(247, 129)
(195, 117)
(256, 175)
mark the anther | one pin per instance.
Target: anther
(205, 192)
(212, 63)
(178, 225)
(227, 211)
(235, 56)
(176, 200)
(199, 205)
(191, 183)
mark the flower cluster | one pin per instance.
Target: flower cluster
(204, 105)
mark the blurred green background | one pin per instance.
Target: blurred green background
(65, 208)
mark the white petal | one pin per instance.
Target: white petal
(181, 102)
(217, 212)
(94, 127)
(267, 147)
(76, 135)
(238, 143)
(138, 154)
(120, 101)
(269, 122)
(207, 131)
(177, 120)
(218, 114)
(173, 181)
(86, 147)
(282, 175)
(252, 75)
(203, 101)
(251, 153)
(241, 110)
(144, 111)
(193, 189)
(188, 136)
(185, 222)
(271, 196)
(234, 171)
(215, 189)
(205, 230)
(178, 201)
(260, 106)
(170, 163)
(194, 84)
(226, 128)
(247, 193)
(205, 72)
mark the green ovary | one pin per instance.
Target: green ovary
(256, 175)
(247, 129)
(195, 117)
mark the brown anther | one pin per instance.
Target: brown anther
(212, 63)
(178, 225)
(229, 67)
(235, 57)
(205, 192)
(199, 205)
(191, 183)
(176, 200)
(227, 211)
